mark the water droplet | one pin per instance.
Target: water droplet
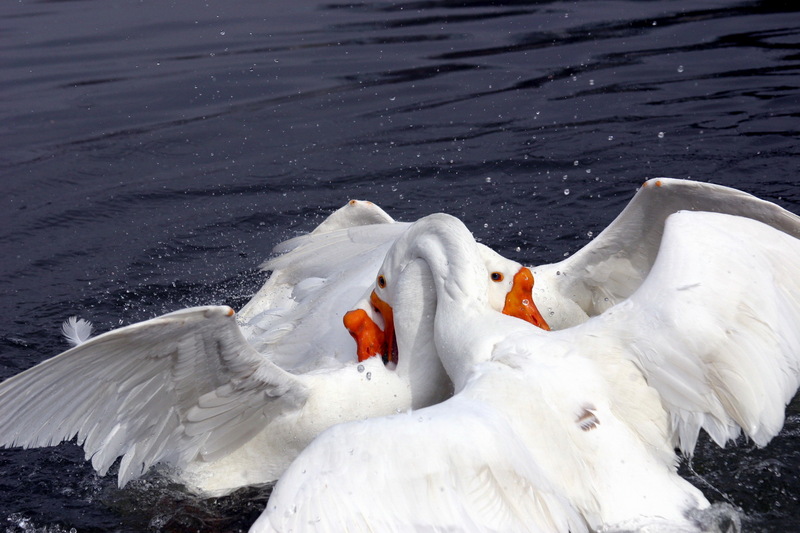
(575, 163)
(566, 192)
(589, 233)
(660, 134)
(222, 32)
(526, 302)
(680, 68)
(360, 368)
(610, 137)
(369, 376)
(488, 179)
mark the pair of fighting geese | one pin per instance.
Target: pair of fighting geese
(478, 396)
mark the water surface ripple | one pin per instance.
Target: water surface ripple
(152, 155)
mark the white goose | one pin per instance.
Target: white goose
(230, 404)
(565, 430)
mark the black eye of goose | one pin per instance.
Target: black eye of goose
(497, 276)
(381, 281)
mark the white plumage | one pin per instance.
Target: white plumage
(681, 321)
(710, 255)
(230, 403)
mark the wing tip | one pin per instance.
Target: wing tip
(654, 182)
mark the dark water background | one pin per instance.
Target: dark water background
(152, 153)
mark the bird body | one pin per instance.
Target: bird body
(572, 429)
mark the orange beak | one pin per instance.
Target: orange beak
(519, 300)
(370, 339)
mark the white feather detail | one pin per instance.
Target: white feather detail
(76, 330)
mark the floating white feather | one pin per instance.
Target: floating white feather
(76, 330)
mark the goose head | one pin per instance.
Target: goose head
(406, 292)
(509, 286)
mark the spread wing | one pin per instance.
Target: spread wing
(613, 265)
(714, 327)
(167, 389)
(192, 384)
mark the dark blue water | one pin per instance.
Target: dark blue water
(152, 153)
